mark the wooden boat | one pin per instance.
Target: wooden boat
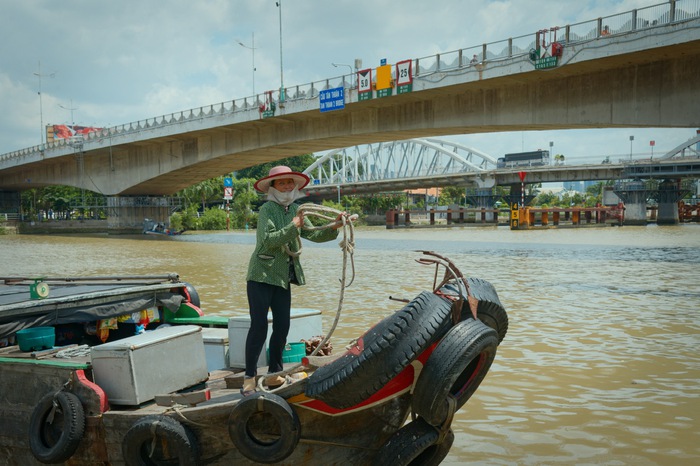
(388, 399)
(151, 227)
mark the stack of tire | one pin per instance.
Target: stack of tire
(451, 375)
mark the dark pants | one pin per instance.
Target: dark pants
(261, 298)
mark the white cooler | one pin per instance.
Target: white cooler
(304, 324)
(133, 370)
(215, 347)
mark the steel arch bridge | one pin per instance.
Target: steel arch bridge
(411, 158)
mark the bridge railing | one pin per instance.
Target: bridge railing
(463, 59)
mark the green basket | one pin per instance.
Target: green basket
(294, 352)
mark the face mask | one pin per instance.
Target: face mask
(283, 199)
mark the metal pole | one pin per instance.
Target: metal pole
(252, 48)
(41, 107)
(282, 96)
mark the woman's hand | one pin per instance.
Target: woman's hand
(298, 219)
(339, 219)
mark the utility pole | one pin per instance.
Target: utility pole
(41, 106)
(282, 96)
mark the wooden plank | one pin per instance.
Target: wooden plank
(190, 398)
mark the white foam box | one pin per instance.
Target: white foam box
(304, 324)
(134, 370)
(215, 347)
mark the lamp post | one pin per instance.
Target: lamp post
(71, 108)
(252, 49)
(631, 139)
(279, 5)
(336, 65)
(41, 107)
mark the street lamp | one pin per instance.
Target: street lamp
(336, 65)
(71, 108)
(41, 107)
(252, 49)
(631, 139)
(279, 5)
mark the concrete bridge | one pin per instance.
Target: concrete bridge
(643, 73)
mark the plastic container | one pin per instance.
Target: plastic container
(36, 338)
(294, 352)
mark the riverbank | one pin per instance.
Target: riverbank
(71, 226)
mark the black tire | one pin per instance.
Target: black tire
(416, 444)
(56, 427)
(157, 440)
(456, 368)
(381, 353)
(193, 295)
(257, 438)
(489, 309)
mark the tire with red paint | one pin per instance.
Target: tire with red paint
(381, 353)
(455, 369)
(192, 295)
(248, 423)
(159, 439)
(56, 427)
(416, 443)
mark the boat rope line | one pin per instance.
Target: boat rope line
(328, 217)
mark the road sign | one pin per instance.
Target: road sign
(404, 79)
(364, 84)
(228, 193)
(228, 181)
(332, 99)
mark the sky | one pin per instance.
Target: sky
(106, 63)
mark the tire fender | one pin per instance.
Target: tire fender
(192, 295)
(416, 443)
(241, 428)
(456, 368)
(381, 353)
(56, 427)
(145, 440)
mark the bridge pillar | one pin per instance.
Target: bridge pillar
(668, 196)
(634, 195)
(131, 211)
(10, 205)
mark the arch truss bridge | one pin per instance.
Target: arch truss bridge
(397, 160)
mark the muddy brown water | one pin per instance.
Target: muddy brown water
(600, 364)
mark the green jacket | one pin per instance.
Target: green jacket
(270, 262)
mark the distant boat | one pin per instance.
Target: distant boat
(151, 227)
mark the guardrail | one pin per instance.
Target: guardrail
(460, 60)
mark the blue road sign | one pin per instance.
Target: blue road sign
(228, 182)
(332, 99)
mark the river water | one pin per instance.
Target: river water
(600, 364)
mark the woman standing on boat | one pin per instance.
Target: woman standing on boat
(274, 266)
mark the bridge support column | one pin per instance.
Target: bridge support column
(131, 211)
(634, 195)
(10, 205)
(483, 198)
(668, 196)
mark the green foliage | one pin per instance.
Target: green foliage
(213, 219)
(451, 195)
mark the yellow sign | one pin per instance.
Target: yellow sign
(384, 77)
